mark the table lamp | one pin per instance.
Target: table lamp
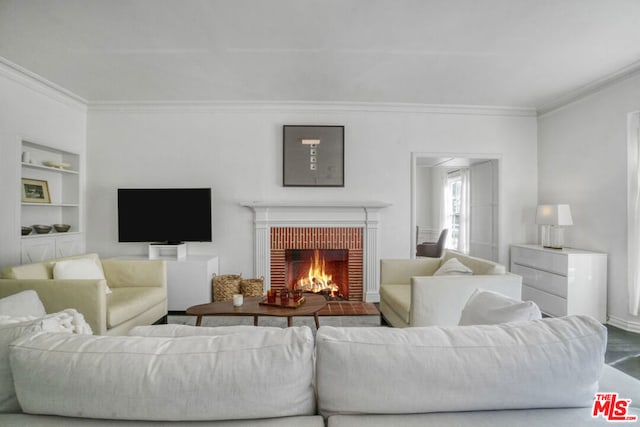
(553, 219)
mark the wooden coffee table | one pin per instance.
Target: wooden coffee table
(251, 307)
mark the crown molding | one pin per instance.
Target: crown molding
(305, 106)
(584, 91)
(37, 83)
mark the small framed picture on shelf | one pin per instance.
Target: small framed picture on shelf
(35, 191)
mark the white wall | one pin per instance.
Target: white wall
(30, 110)
(583, 161)
(237, 150)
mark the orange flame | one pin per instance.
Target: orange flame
(317, 279)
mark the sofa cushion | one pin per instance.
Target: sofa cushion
(545, 363)
(488, 308)
(175, 330)
(25, 303)
(556, 417)
(477, 265)
(453, 267)
(398, 298)
(26, 420)
(42, 270)
(127, 303)
(239, 376)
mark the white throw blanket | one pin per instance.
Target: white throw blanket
(68, 320)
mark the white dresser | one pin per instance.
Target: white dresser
(562, 281)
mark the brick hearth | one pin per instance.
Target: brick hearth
(349, 308)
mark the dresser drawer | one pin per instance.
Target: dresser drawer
(548, 282)
(549, 304)
(544, 260)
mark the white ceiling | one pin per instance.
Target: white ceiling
(520, 53)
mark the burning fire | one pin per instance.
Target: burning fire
(317, 279)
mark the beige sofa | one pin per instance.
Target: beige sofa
(410, 295)
(138, 291)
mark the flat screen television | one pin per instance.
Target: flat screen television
(164, 215)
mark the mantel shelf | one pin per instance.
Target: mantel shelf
(317, 204)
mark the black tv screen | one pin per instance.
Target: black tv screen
(164, 215)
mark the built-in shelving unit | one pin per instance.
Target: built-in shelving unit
(64, 207)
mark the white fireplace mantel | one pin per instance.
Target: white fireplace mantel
(320, 214)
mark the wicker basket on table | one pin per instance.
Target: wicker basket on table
(252, 287)
(224, 286)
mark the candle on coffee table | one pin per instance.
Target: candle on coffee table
(238, 300)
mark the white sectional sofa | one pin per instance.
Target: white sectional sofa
(411, 295)
(535, 373)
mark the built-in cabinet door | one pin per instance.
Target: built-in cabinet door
(69, 246)
(37, 250)
(47, 247)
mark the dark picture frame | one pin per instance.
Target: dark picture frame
(313, 156)
(35, 191)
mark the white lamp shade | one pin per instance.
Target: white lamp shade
(554, 215)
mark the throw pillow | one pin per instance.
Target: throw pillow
(224, 286)
(490, 308)
(78, 269)
(67, 321)
(25, 303)
(453, 266)
(252, 287)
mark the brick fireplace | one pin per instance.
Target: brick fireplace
(351, 227)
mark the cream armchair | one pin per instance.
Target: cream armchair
(138, 291)
(410, 295)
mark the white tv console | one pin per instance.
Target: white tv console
(158, 251)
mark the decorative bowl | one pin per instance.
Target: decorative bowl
(61, 228)
(26, 230)
(42, 229)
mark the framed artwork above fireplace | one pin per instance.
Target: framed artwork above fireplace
(313, 156)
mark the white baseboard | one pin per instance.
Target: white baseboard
(627, 325)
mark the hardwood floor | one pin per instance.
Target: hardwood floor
(623, 351)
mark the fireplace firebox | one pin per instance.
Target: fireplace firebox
(322, 271)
